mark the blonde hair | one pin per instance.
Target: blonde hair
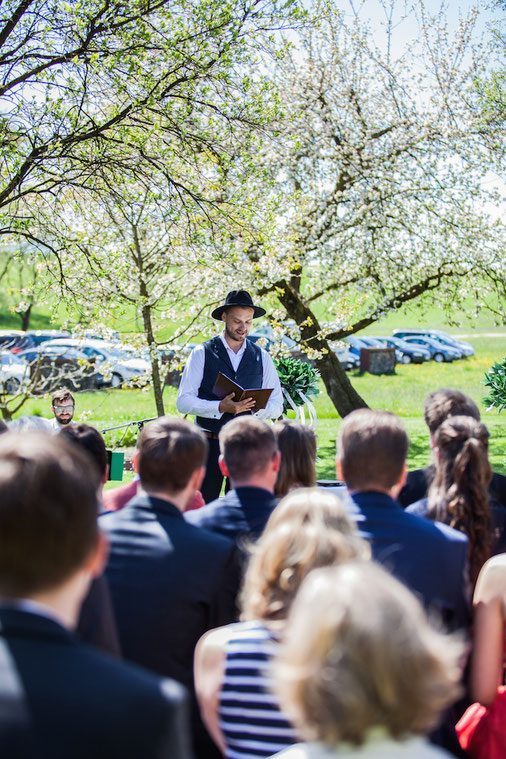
(359, 653)
(309, 528)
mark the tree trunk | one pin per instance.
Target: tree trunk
(153, 355)
(339, 388)
(148, 326)
(25, 317)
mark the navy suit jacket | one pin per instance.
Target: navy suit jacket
(429, 557)
(240, 515)
(170, 582)
(61, 699)
(418, 482)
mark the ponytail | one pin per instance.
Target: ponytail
(459, 493)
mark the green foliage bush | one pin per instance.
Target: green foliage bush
(296, 375)
(495, 380)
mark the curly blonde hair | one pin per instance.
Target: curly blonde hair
(359, 653)
(309, 528)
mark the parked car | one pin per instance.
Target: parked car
(347, 359)
(34, 338)
(50, 366)
(406, 353)
(117, 365)
(10, 339)
(438, 351)
(466, 349)
(14, 373)
(357, 343)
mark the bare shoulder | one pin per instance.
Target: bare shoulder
(210, 649)
(492, 580)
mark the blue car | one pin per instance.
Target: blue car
(465, 349)
(438, 351)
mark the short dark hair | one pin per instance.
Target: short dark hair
(442, 404)
(247, 445)
(297, 445)
(170, 450)
(48, 512)
(90, 440)
(59, 396)
(372, 446)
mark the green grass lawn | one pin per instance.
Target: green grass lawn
(402, 393)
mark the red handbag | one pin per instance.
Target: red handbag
(482, 729)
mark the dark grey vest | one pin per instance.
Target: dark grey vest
(249, 374)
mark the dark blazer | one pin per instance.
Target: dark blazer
(429, 557)
(418, 482)
(240, 515)
(61, 699)
(170, 582)
(497, 522)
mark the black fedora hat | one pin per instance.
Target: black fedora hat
(238, 298)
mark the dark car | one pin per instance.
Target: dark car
(407, 353)
(466, 349)
(10, 339)
(438, 351)
(53, 366)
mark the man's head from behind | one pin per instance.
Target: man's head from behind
(372, 448)
(172, 456)
(249, 452)
(62, 403)
(91, 441)
(48, 514)
(442, 404)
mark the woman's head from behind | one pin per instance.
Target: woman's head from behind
(297, 445)
(459, 492)
(309, 528)
(359, 654)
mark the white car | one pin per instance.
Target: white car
(14, 373)
(114, 362)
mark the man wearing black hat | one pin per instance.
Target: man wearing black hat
(241, 360)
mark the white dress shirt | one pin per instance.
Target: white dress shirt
(188, 401)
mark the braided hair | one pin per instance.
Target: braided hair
(458, 495)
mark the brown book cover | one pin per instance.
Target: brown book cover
(224, 386)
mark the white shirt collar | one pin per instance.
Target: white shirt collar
(229, 349)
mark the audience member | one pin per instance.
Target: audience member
(458, 494)
(482, 730)
(62, 405)
(251, 459)
(61, 698)
(297, 445)
(430, 558)
(116, 498)
(90, 440)
(170, 582)
(487, 670)
(441, 405)
(96, 623)
(308, 529)
(361, 671)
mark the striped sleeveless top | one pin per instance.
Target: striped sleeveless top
(249, 714)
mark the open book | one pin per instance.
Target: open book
(224, 386)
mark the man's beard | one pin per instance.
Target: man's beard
(63, 422)
(232, 336)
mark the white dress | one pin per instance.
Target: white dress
(376, 747)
